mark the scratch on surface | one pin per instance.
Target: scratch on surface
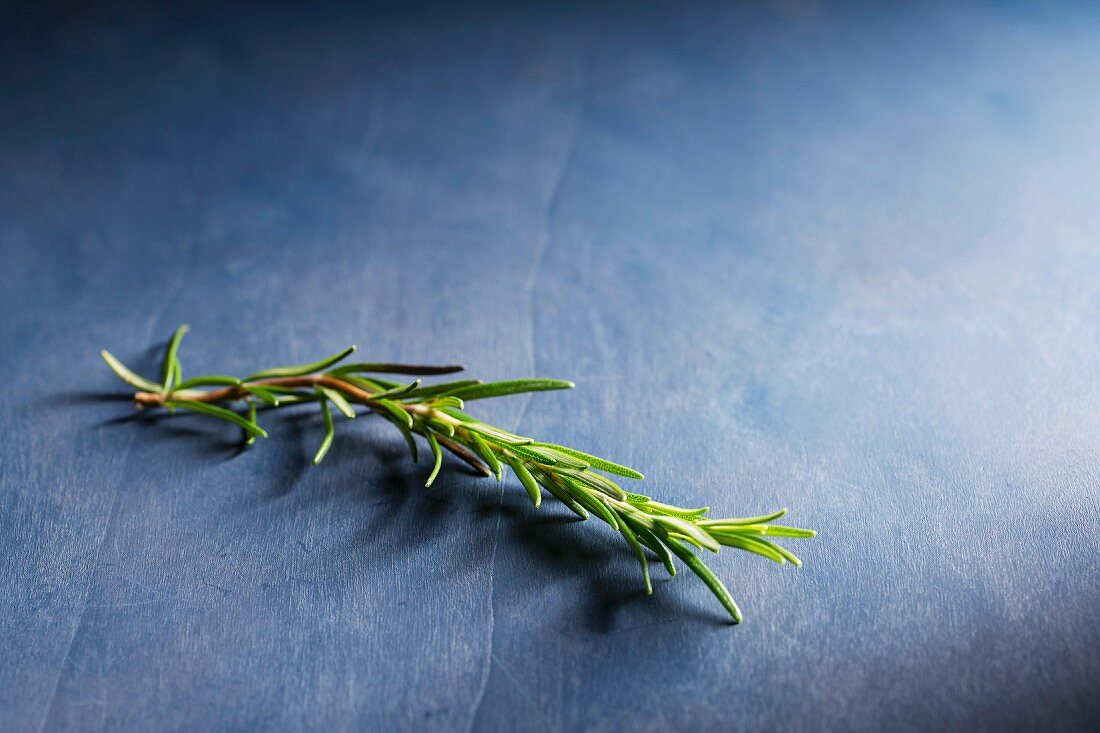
(111, 518)
(548, 207)
(153, 324)
(128, 604)
(642, 627)
(523, 691)
(225, 591)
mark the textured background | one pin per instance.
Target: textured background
(842, 258)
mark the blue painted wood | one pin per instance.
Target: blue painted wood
(835, 257)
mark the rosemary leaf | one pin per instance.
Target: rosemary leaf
(123, 373)
(369, 385)
(557, 458)
(330, 433)
(177, 371)
(444, 428)
(292, 397)
(437, 457)
(653, 542)
(746, 520)
(396, 412)
(597, 482)
(395, 392)
(456, 413)
(496, 435)
(789, 556)
(263, 393)
(534, 456)
(594, 461)
(452, 402)
(559, 492)
(249, 437)
(405, 433)
(443, 388)
(758, 546)
(579, 492)
(526, 479)
(512, 386)
(674, 511)
(219, 412)
(171, 360)
(413, 369)
(461, 452)
(485, 453)
(300, 369)
(705, 574)
(338, 399)
(636, 548)
(383, 383)
(774, 530)
(686, 528)
(208, 380)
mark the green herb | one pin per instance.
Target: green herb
(433, 412)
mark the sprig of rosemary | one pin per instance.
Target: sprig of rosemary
(436, 413)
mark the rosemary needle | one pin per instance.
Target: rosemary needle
(435, 413)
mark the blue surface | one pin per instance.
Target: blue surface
(840, 258)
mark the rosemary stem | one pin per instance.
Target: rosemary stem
(143, 400)
(223, 394)
(434, 412)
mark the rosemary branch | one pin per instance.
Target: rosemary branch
(435, 412)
